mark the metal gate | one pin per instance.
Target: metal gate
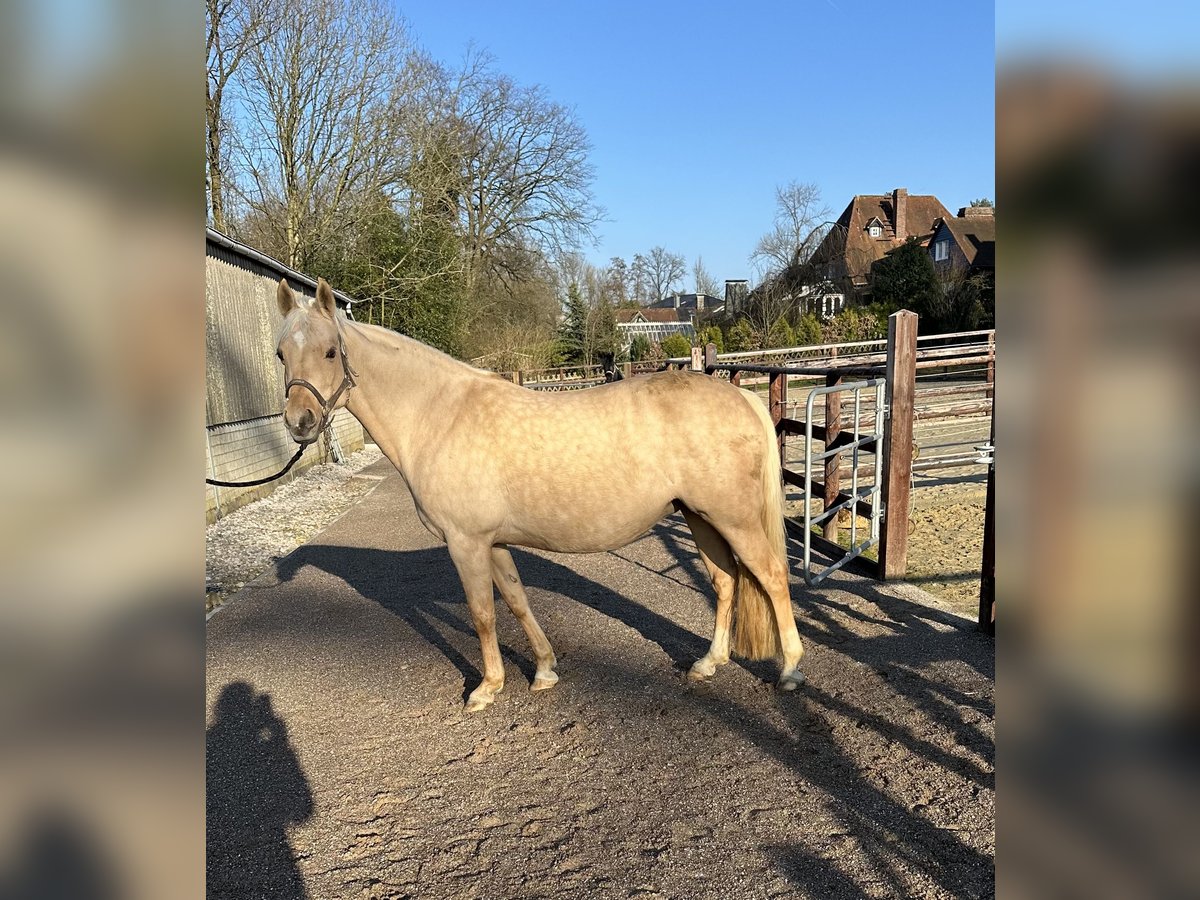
(871, 442)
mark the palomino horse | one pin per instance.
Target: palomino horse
(491, 464)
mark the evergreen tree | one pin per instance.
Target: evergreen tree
(808, 331)
(741, 337)
(639, 349)
(712, 335)
(906, 279)
(408, 278)
(572, 332)
(781, 335)
(676, 345)
(604, 338)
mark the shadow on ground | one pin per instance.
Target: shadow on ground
(865, 734)
(255, 791)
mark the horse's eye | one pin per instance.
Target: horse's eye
(330, 353)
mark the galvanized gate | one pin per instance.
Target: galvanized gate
(870, 442)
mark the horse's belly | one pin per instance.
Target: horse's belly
(591, 531)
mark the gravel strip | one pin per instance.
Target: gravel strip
(248, 541)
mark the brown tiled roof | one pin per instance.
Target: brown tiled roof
(653, 315)
(972, 233)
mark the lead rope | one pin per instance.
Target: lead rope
(291, 462)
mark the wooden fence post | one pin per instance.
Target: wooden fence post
(697, 359)
(833, 464)
(991, 366)
(735, 378)
(778, 400)
(987, 581)
(710, 355)
(897, 443)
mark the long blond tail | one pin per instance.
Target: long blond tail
(755, 630)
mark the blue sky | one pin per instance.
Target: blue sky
(696, 111)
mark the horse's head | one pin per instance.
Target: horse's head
(314, 368)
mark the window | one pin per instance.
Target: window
(941, 251)
(876, 231)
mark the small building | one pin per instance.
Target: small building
(245, 437)
(654, 323)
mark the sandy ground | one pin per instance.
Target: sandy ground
(945, 548)
(945, 545)
(341, 764)
(242, 545)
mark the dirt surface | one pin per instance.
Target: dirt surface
(240, 546)
(341, 763)
(945, 548)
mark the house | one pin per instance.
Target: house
(870, 227)
(695, 305)
(654, 323)
(966, 243)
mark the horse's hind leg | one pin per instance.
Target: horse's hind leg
(504, 573)
(474, 563)
(754, 550)
(718, 560)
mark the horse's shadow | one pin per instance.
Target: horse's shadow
(421, 587)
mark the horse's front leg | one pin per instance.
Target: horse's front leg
(504, 573)
(473, 559)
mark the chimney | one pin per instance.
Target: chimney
(900, 212)
(735, 293)
(976, 212)
(676, 297)
(699, 302)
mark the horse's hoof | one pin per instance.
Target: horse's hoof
(791, 681)
(543, 681)
(478, 704)
(702, 668)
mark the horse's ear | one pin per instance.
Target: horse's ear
(325, 301)
(285, 297)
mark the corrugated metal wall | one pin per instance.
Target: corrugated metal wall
(244, 380)
(245, 438)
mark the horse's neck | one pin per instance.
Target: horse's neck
(402, 386)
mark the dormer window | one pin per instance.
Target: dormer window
(875, 227)
(876, 231)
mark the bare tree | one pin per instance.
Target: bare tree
(320, 131)
(661, 270)
(525, 175)
(705, 283)
(232, 29)
(617, 281)
(796, 232)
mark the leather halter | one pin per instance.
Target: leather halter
(348, 375)
(327, 406)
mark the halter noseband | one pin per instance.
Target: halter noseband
(327, 405)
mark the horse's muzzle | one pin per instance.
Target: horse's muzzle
(305, 429)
